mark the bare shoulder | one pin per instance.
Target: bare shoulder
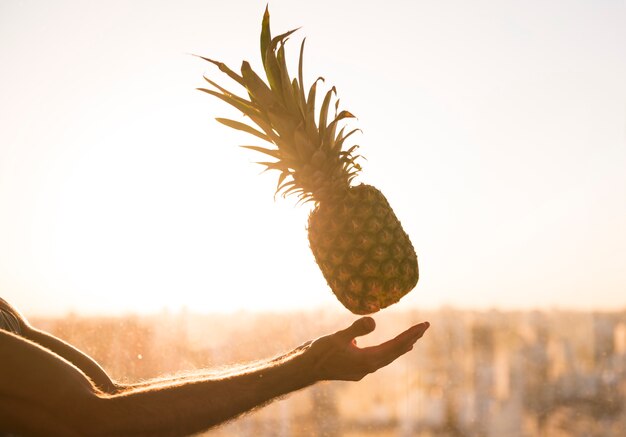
(40, 383)
(24, 365)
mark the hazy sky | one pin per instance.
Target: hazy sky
(497, 130)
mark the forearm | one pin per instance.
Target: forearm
(194, 405)
(217, 373)
(39, 383)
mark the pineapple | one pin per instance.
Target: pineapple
(364, 254)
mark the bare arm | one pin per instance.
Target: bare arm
(40, 392)
(193, 405)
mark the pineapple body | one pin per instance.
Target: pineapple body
(364, 254)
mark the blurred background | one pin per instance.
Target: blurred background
(496, 130)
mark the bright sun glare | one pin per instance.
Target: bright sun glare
(145, 232)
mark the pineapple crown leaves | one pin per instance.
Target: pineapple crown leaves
(308, 154)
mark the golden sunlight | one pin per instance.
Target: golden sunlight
(120, 193)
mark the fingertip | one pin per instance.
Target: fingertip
(359, 327)
(368, 323)
(362, 326)
(424, 327)
(419, 330)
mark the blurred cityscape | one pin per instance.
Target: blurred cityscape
(490, 373)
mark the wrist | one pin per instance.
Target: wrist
(306, 360)
(296, 369)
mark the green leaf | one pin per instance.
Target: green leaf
(300, 78)
(248, 110)
(224, 68)
(243, 127)
(257, 89)
(309, 122)
(344, 114)
(297, 92)
(303, 146)
(266, 35)
(304, 198)
(230, 94)
(274, 153)
(352, 149)
(348, 152)
(341, 139)
(281, 120)
(288, 97)
(272, 71)
(284, 186)
(332, 127)
(279, 39)
(223, 90)
(244, 106)
(273, 166)
(291, 190)
(281, 180)
(270, 65)
(324, 111)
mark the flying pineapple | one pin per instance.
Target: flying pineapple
(358, 243)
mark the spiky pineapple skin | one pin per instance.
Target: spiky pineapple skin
(362, 250)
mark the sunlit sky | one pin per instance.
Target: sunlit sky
(497, 130)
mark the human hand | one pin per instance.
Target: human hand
(337, 356)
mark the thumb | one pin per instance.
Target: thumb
(360, 327)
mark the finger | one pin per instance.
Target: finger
(388, 352)
(389, 358)
(400, 343)
(362, 326)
